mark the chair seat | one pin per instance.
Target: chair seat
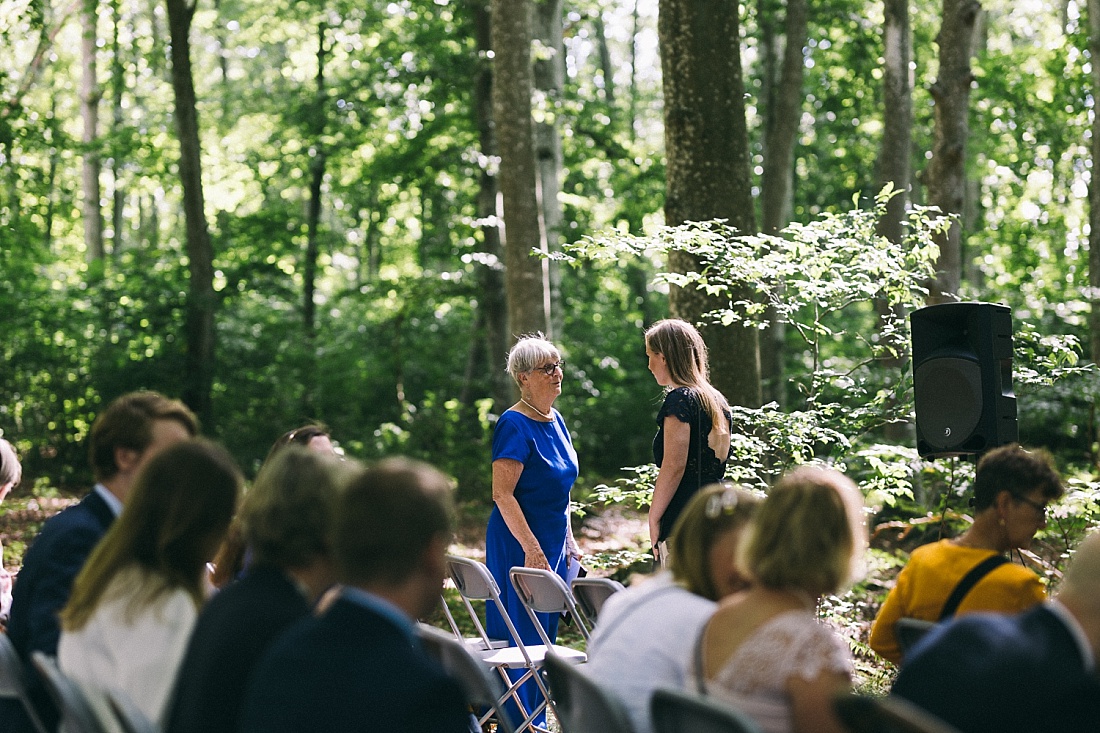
(512, 657)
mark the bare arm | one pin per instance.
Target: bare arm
(812, 702)
(673, 463)
(506, 473)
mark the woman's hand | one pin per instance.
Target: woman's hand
(535, 558)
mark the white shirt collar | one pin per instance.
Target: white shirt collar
(113, 502)
(1075, 631)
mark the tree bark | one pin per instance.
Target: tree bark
(708, 170)
(526, 277)
(90, 94)
(118, 89)
(607, 68)
(201, 300)
(316, 180)
(946, 172)
(1094, 190)
(492, 304)
(549, 80)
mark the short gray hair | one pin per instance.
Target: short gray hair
(529, 352)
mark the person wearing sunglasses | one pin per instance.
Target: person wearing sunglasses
(534, 467)
(692, 443)
(968, 573)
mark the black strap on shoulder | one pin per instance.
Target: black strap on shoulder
(968, 581)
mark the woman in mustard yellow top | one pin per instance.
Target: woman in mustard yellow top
(1012, 488)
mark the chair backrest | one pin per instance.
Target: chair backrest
(909, 631)
(678, 711)
(591, 593)
(129, 715)
(582, 704)
(543, 591)
(481, 688)
(13, 681)
(475, 583)
(77, 713)
(890, 714)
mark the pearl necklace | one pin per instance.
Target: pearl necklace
(537, 411)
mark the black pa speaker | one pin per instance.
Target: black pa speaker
(962, 378)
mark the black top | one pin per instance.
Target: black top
(703, 466)
(233, 632)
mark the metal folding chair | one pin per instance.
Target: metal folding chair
(591, 593)
(481, 688)
(13, 681)
(909, 631)
(582, 704)
(79, 713)
(476, 643)
(475, 583)
(129, 715)
(890, 714)
(543, 591)
(678, 711)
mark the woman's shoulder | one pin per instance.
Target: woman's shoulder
(680, 402)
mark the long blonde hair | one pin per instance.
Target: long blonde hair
(685, 355)
(177, 514)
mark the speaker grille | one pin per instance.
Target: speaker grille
(948, 395)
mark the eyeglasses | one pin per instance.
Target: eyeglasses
(550, 368)
(1041, 508)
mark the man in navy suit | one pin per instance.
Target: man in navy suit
(359, 666)
(132, 429)
(1035, 671)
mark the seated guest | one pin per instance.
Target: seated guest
(764, 651)
(124, 437)
(287, 519)
(234, 555)
(1033, 671)
(647, 633)
(359, 666)
(11, 472)
(1012, 488)
(134, 604)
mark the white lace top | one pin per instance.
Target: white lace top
(754, 678)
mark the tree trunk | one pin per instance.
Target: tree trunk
(549, 79)
(526, 275)
(708, 172)
(492, 304)
(118, 88)
(316, 180)
(946, 172)
(894, 156)
(635, 25)
(201, 301)
(89, 111)
(607, 67)
(1094, 190)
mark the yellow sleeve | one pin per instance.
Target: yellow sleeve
(883, 640)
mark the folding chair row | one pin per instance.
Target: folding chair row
(591, 593)
(476, 584)
(13, 681)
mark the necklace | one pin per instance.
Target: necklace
(537, 411)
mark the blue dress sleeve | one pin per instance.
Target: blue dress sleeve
(509, 441)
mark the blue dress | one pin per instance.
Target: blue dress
(549, 470)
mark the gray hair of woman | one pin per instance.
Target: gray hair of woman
(530, 352)
(11, 471)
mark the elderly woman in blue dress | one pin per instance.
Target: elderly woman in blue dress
(534, 467)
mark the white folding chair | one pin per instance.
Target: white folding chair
(482, 690)
(582, 704)
(475, 583)
(476, 643)
(543, 591)
(679, 711)
(889, 714)
(79, 712)
(129, 715)
(591, 593)
(13, 681)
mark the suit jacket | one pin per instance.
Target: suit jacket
(42, 589)
(1002, 674)
(232, 634)
(348, 671)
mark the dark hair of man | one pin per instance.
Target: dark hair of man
(389, 515)
(128, 423)
(1015, 470)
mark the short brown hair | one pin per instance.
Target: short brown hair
(1015, 470)
(389, 516)
(711, 513)
(808, 534)
(128, 423)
